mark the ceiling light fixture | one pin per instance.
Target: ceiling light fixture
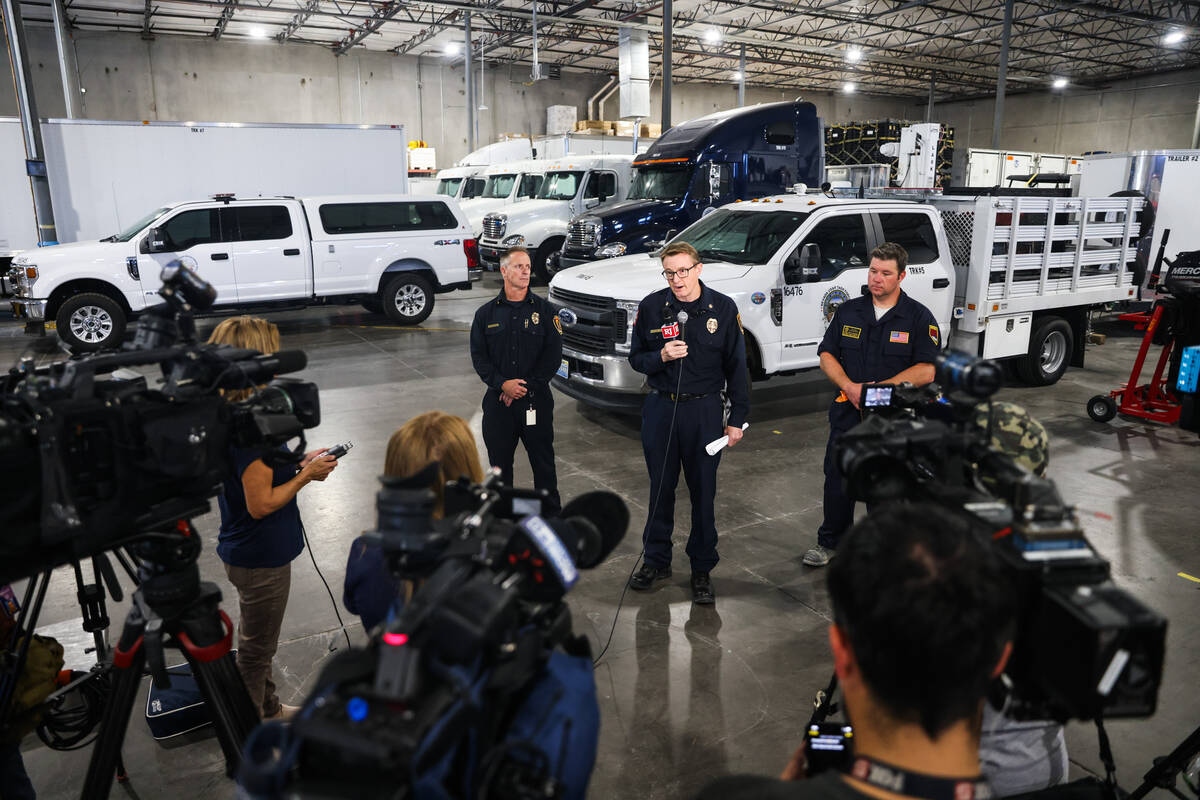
(712, 36)
(848, 87)
(1059, 83)
(735, 75)
(854, 54)
(257, 32)
(451, 48)
(1174, 37)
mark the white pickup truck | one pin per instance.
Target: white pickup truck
(391, 253)
(1006, 277)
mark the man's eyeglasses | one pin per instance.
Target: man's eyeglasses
(681, 273)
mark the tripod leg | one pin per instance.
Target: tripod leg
(128, 660)
(206, 637)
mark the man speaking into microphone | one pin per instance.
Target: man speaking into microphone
(688, 341)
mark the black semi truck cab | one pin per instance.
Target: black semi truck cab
(694, 167)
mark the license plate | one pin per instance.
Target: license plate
(562, 370)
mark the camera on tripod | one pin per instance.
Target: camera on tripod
(122, 467)
(115, 458)
(1084, 648)
(475, 685)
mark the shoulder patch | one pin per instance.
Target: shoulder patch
(933, 333)
(739, 319)
(851, 332)
(557, 324)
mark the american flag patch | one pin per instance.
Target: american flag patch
(898, 337)
(670, 331)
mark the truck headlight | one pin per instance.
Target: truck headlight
(624, 339)
(514, 240)
(611, 250)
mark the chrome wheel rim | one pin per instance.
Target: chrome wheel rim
(410, 300)
(1054, 352)
(91, 324)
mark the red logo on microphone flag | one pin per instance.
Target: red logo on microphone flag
(670, 331)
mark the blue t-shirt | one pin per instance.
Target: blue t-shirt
(369, 589)
(244, 541)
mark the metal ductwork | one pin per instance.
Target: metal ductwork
(634, 72)
(605, 91)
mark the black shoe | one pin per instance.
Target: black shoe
(702, 591)
(647, 576)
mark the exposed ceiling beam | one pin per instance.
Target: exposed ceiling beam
(289, 30)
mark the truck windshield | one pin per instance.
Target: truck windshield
(660, 183)
(529, 185)
(742, 237)
(137, 227)
(449, 186)
(474, 188)
(560, 185)
(499, 186)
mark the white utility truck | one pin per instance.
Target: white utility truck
(571, 186)
(391, 253)
(504, 184)
(1006, 277)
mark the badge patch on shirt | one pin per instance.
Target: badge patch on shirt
(898, 337)
(933, 333)
(534, 318)
(851, 332)
(557, 324)
(711, 325)
(670, 331)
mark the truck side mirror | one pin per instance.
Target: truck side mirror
(803, 265)
(670, 234)
(155, 241)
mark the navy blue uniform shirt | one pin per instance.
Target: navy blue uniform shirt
(873, 351)
(516, 340)
(244, 541)
(716, 356)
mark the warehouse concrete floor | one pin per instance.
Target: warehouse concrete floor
(687, 693)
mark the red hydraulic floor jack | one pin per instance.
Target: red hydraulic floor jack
(1172, 324)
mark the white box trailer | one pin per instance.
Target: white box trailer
(106, 175)
(1168, 179)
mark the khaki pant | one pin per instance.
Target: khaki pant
(262, 598)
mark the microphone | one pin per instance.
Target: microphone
(598, 522)
(244, 373)
(682, 318)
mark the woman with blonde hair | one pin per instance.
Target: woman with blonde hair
(261, 532)
(370, 589)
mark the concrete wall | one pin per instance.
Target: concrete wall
(1156, 112)
(190, 78)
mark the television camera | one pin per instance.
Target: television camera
(476, 686)
(92, 463)
(1084, 648)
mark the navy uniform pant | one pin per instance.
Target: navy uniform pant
(668, 448)
(839, 507)
(504, 426)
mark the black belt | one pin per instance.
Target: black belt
(682, 397)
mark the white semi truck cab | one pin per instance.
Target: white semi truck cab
(1005, 277)
(571, 185)
(504, 185)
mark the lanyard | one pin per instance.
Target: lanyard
(915, 784)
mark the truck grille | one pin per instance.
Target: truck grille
(582, 234)
(493, 227)
(599, 326)
(577, 300)
(581, 341)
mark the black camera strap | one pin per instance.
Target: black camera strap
(917, 784)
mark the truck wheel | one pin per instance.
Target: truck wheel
(407, 298)
(540, 257)
(90, 322)
(1050, 347)
(1102, 408)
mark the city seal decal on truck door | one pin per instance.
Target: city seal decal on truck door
(830, 302)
